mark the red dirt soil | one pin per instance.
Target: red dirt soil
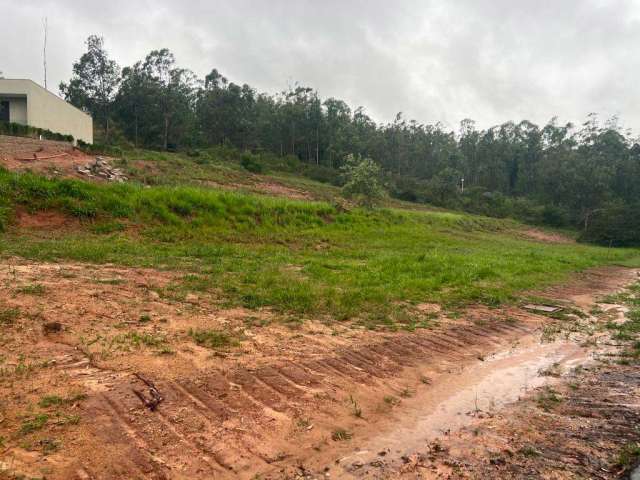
(42, 156)
(267, 407)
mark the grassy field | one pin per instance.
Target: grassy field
(301, 258)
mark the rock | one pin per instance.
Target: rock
(52, 327)
(101, 168)
(154, 295)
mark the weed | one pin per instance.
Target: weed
(406, 393)
(138, 339)
(50, 400)
(212, 338)
(166, 350)
(529, 451)
(629, 455)
(596, 311)
(8, 316)
(548, 399)
(340, 434)
(144, 318)
(55, 400)
(49, 445)
(356, 410)
(34, 424)
(65, 419)
(32, 289)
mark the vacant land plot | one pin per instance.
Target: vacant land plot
(183, 332)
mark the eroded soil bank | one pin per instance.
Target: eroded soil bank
(459, 399)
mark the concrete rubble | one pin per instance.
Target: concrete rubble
(102, 169)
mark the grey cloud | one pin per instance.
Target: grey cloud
(491, 60)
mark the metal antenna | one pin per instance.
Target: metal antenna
(44, 52)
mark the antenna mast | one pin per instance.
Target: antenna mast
(44, 52)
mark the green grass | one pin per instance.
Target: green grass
(629, 330)
(300, 258)
(213, 339)
(340, 435)
(50, 400)
(139, 339)
(8, 316)
(628, 456)
(32, 289)
(34, 424)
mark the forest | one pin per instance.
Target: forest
(584, 177)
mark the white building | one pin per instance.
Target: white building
(27, 103)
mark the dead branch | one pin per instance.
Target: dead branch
(156, 398)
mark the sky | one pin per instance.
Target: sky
(434, 60)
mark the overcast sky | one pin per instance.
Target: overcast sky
(434, 60)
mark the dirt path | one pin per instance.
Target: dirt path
(286, 402)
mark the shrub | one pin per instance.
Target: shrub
(19, 130)
(617, 225)
(362, 180)
(100, 149)
(250, 163)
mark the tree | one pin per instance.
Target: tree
(94, 83)
(176, 92)
(156, 102)
(445, 185)
(362, 180)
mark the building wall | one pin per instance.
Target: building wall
(46, 110)
(17, 108)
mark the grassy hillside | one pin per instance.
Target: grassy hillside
(223, 167)
(300, 257)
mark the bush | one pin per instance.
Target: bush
(615, 225)
(100, 149)
(19, 130)
(362, 180)
(322, 174)
(251, 163)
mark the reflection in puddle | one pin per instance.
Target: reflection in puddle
(455, 400)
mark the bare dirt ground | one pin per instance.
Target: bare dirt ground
(546, 237)
(263, 185)
(79, 342)
(42, 156)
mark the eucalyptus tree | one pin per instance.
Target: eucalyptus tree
(94, 83)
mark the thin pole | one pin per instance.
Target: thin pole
(44, 52)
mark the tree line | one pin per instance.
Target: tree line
(558, 174)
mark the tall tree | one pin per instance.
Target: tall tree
(94, 83)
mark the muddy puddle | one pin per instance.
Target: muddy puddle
(457, 399)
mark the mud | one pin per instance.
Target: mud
(285, 403)
(474, 392)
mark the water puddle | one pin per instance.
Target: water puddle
(455, 400)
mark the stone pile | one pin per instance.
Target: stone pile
(102, 169)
